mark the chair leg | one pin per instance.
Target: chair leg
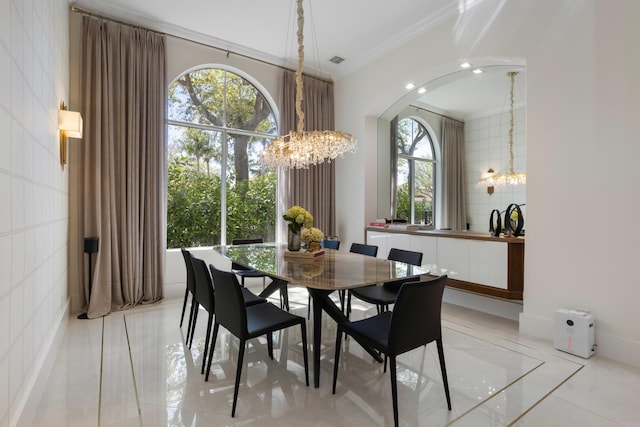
(336, 360)
(191, 314)
(394, 390)
(309, 307)
(342, 293)
(184, 305)
(238, 374)
(206, 343)
(284, 297)
(348, 304)
(193, 325)
(443, 368)
(303, 327)
(270, 344)
(213, 344)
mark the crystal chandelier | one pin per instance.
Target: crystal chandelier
(299, 149)
(511, 178)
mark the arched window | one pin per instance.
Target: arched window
(415, 172)
(217, 191)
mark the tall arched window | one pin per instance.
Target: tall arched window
(415, 172)
(217, 191)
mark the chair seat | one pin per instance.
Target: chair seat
(375, 294)
(264, 318)
(250, 298)
(373, 330)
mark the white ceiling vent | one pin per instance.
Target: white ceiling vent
(336, 59)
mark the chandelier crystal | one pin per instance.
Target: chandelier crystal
(299, 149)
(510, 178)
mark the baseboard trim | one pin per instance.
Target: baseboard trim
(509, 309)
(36, 386)
(608, 346)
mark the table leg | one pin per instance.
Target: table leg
(321, 301)
(275, 285)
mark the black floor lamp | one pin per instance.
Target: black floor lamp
(90, 247)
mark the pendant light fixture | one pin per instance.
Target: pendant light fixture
(299, 149)
(511, 177)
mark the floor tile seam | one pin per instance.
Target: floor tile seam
(494, 395)
(133, 373)
(546, 395)
(483, 333)
(101, 372)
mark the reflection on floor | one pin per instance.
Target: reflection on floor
(132, 369)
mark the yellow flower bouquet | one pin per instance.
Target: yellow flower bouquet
(298, 217)
(312, 238)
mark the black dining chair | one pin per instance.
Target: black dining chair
(383, 296)
(327, 244)
(363, 249)
(190, 289)
(242, 271)
(330, 244)
(205, 297)
(414, 322)
(249, 322)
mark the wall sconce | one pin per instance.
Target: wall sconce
(490, 187)
(70, 126)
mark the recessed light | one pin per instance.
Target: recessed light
(421, 90)
(465, 65)
(410, 86)
(477, 71)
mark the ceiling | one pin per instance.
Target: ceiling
(356, 30)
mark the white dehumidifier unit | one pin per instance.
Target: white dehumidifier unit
(574, 332)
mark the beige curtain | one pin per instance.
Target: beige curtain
(124, 95)
(453, 186)
(312, 188)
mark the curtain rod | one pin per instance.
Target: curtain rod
(228, 51)
(438, 114)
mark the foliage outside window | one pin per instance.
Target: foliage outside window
(217, 191)
(415, 172)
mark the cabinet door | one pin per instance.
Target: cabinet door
(379, 239)
(453, 258)
(488, 263)
(426, 245)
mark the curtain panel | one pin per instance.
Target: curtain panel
(453, 185)
(123, 100)
(312, 188)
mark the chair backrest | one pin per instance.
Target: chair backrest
(331, 244)
(361, 248)
(235, 266)
(191, 281)
(204, 285)
(416, 315)
(230, 309)
(408, 257)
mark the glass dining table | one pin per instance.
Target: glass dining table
(332, 271)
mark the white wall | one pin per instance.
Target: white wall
(34, 79)
(583, 101)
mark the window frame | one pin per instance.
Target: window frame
(411, 160)
(225, 131)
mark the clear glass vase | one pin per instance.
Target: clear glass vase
(293, 241)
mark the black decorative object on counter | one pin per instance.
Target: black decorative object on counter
(495, 223)
(514, 221)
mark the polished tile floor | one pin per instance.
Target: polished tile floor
(132, 369)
